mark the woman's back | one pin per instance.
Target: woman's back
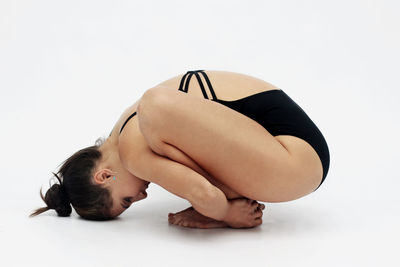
(228, 86)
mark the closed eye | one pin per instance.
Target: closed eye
(128, 199)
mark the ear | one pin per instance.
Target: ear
(103, 176)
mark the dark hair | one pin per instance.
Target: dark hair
(90, 201)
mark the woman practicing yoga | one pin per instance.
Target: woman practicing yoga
(222, 143)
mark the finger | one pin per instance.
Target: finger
(256, 209)
(257, 213)
(261, 206)
(258, 221)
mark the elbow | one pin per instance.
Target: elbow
(209, 196)
(203, 197)
(153, 102)
(153, 97)
(207, 202)
(211, 202)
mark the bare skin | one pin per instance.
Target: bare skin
(191, 218)
(228, 86)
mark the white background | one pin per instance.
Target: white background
(69, 68)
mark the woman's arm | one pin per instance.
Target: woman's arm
(177, 155)
(205, 198)
(138, 158)
(174, 177)
(184, 182)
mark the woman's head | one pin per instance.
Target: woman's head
(95, 182)
(76, 187)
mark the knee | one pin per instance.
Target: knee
(153, 102)
(152, 113)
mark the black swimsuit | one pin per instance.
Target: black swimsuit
(272, 109)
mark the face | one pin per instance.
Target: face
(125, 189)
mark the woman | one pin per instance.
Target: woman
(252, 142)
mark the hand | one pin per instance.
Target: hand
(244, 213)
(193, 219)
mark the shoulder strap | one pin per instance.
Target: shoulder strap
(195, 72)
(182, 81)
(209, 85)
(133, 114)
(201, 84)
(187, 82)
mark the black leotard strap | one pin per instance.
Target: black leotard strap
(201, 85)
(209, 85)
(187, 82)
(133, 114)
(195, 72)
(182, 81)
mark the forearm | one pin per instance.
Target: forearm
(214, 204)
(177, 155)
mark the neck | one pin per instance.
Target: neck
(110, 155)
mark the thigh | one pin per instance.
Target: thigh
(230, 146)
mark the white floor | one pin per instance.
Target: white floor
(69, 69)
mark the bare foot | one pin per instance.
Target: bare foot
(193, 219)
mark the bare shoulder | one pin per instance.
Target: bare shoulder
(132, 147)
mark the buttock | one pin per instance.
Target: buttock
(280, 115)
(305, 155)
